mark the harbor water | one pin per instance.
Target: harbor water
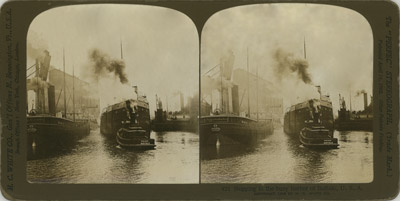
(281, 159)
(97, 160)
(277, 159)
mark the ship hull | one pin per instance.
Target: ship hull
(115, 117)
(173, 126)
(296, 118)
(52, 133)
(236, 130)
(121, 125)
(354, 125)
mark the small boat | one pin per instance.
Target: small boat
(134, 137)
(315, 135)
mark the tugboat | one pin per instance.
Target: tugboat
(312, 122)
(128, 122)
(314, 135)
(134, 137)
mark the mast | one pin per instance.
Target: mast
(166, 97)
(37, 105)
(122, 56)
(350, 101)
(65, 95)
(211, 97)
(73, 93)
(305, 52)
(257, 89)
(222, 92)
(248, 84)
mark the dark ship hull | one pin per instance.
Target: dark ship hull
(355, 121)
(312, 123)
(225, 129)
(173, 125)
(49, 133)
(128, 125)
(163, 122)
(354, 125)
(297, 116)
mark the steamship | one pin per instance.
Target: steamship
(48, 132)
(233, 129)
(312, 122)
(223, 127)
(166, 122)
(128, 122)
(349, 120)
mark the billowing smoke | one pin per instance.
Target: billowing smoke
(287, 63)
(35, 84)
(36, 53)
(209, 84)
(226, 63)
(102, 64)
(35, 48)
(359, 92)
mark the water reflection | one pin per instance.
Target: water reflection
(281, 159)
(224, 151)
(96, 160)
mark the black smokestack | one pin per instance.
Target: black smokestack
(103, 64)
(287, 63)
(365, 101)
(235, 99)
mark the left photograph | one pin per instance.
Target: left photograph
(112, 95)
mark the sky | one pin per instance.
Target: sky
(160, 48)
(339, 47)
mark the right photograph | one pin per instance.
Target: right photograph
(286, 95)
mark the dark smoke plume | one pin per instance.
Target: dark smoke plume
(359, 92)
(287, 63)
(103, 64)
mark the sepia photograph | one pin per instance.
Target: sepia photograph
(199, 100)
(112, 95)
(286, 95)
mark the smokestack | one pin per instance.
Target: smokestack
(235, 99)
(37, 67)
(181, 100)
(365, 100)
(52, 100)
(45, 65)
